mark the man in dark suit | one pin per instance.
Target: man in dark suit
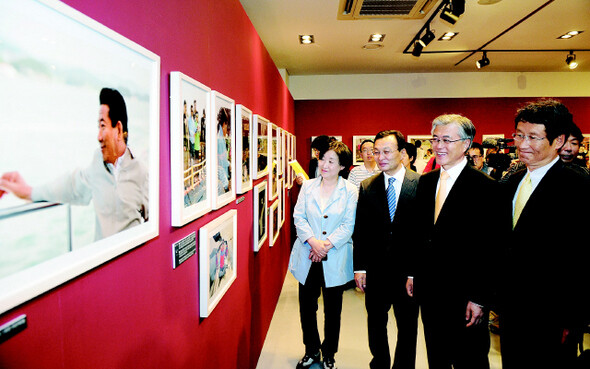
(385, 212)
(544, 298)
(451, 270)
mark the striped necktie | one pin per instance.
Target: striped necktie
(441, 195)
(523, 196)
(391, 198)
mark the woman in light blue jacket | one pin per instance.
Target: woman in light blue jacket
(321, 259)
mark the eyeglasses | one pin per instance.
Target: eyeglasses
(445, 141)
(519, 137)
(367, 151)
(384, 152)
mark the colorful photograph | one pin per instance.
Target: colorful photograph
(189, 122)
(218, 260)
(223, 178)
(243, 149)
(274, 223)
(260, 215)
(80, 121)
(260, 138)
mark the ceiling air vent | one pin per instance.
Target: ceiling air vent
(372, 9)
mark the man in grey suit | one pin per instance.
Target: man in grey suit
(385, 213)
(545, 295)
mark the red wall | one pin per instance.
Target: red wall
(136, 311)
(349, 118)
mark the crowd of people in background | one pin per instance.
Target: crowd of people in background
(477, 228)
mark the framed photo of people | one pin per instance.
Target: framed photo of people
(357, 159)
(260, 214)
(243, 149)
(76, 97)
(274, 221)
(217, 260)
(280, 158)
(189, 148)
(273, 155)
(260, 138)
(223, 178)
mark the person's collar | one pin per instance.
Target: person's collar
(399, 175)
(457, 169)
(540, 172)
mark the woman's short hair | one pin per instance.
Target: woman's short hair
(344, 156)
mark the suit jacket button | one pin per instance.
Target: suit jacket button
(324, 232)
(325, 217)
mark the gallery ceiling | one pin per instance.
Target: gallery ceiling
(518, 35)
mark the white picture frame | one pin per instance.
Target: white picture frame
(274, 223)
(189, 168)
(82, 44)
(273, 160)
(223, 178)
(260, 220)
(217, 260)
(243, 149)
(260, 138)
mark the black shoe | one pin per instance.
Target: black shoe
(308, 360)
(329, 363)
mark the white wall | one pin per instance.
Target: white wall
(439, 85)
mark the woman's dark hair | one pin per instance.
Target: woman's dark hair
(344, 157)
(321, 143)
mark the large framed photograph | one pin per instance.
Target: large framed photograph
(274, 221)
(189, 148)
(70, 112)
(217, 260)
(260, 139)
(260, 215)
(222, 180)
(423, 150)
(357, 159)
(243, 149)
(273, 155)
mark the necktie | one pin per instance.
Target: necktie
(391, 198)
(523, 196)
(441, 195)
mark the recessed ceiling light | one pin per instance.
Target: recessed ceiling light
(376, 37)
(570, 34)
(448, 36)
(306, 39)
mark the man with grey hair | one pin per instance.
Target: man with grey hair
(451, 274)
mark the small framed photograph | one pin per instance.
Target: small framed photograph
(260, 138)
(280, 158)
(217, 260)
(288, 157)
(189, 121)
(274, 223)
(222, 180)
(283, 153)
(273, 147)
(281, 202)
(260, 215)
(356, 148)
(490, 140)
(243, 149)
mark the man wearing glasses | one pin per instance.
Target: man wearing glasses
(368, 168)
(544, 295)
(475, 154)
(451, 266)
(382, 240)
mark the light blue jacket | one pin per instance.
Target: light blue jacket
(335, 223)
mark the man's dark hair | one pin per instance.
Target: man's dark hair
(575, 131)
(321, 143)
(117, 108)
(477, 145)
(411, 151)
(399, 137)
(344, 156)
(364, 142)
(551, 113)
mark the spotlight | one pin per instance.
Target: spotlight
(570, 60)
(483, 62)
(427, 38)
(452, 11)
(306, 39)
(417, 48)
